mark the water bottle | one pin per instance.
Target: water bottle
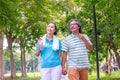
(40, 40)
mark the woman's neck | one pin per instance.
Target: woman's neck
(49, 36)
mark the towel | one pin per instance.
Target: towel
(55, 45)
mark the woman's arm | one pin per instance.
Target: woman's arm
(60, 54)
(64, 60)
(37, 53)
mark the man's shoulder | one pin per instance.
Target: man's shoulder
(84, 34)
(68, 37)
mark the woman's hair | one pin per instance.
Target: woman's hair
(77, 22)
(55, 27)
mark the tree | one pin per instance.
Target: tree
(8, 17)
(1, 56)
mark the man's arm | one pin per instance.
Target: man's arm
(88, 45)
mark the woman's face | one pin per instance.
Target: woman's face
(51, 28)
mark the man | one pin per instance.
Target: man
(76, 46)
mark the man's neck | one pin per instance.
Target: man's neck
(75, 33)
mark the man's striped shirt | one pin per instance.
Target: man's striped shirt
(77, 51)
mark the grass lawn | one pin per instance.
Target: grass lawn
(30, 76)
(114, 76)
(36, 76)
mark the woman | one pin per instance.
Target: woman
(50, 50)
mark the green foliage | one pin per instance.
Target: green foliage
(26, 20)
(8, 12)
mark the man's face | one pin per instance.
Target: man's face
(74, 27)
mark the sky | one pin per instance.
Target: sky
(5, 43)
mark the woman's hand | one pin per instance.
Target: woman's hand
(64, 71)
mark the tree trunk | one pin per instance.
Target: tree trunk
(108, 63)
(115, 50)
(23, 65)
(12, 64)
(23, 61)
(1, 57)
